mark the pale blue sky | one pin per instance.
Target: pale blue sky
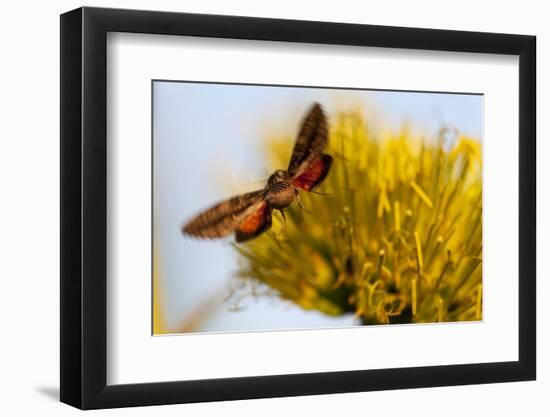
(203, 130)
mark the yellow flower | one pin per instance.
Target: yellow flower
(398, 238)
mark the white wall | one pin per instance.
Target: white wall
(29, 227)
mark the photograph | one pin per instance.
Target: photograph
(263, 205)
(292, 207)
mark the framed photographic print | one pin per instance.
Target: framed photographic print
(257, 208)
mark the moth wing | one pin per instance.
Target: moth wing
(311, 142)
(224, 218)
(314, 174)
(254, 224)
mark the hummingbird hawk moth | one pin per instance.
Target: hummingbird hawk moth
(249, 215)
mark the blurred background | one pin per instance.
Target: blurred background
(208, 142)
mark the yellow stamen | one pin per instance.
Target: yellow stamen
(340, 280)
(478, 303)
(383, 202)
(397, 216)
(381, 255)
(421, 194)
(387, 206)
(397, 279)
(380, 208)
(413, 301)
(418, 250)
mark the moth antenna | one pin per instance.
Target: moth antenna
(319, 192)
(283, 229)
(302, 205)
(284, 217)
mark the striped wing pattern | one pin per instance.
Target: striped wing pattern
(311, 142)
(224, 218)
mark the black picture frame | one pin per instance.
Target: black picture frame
(84, 207)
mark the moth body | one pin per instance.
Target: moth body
(280, 195)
